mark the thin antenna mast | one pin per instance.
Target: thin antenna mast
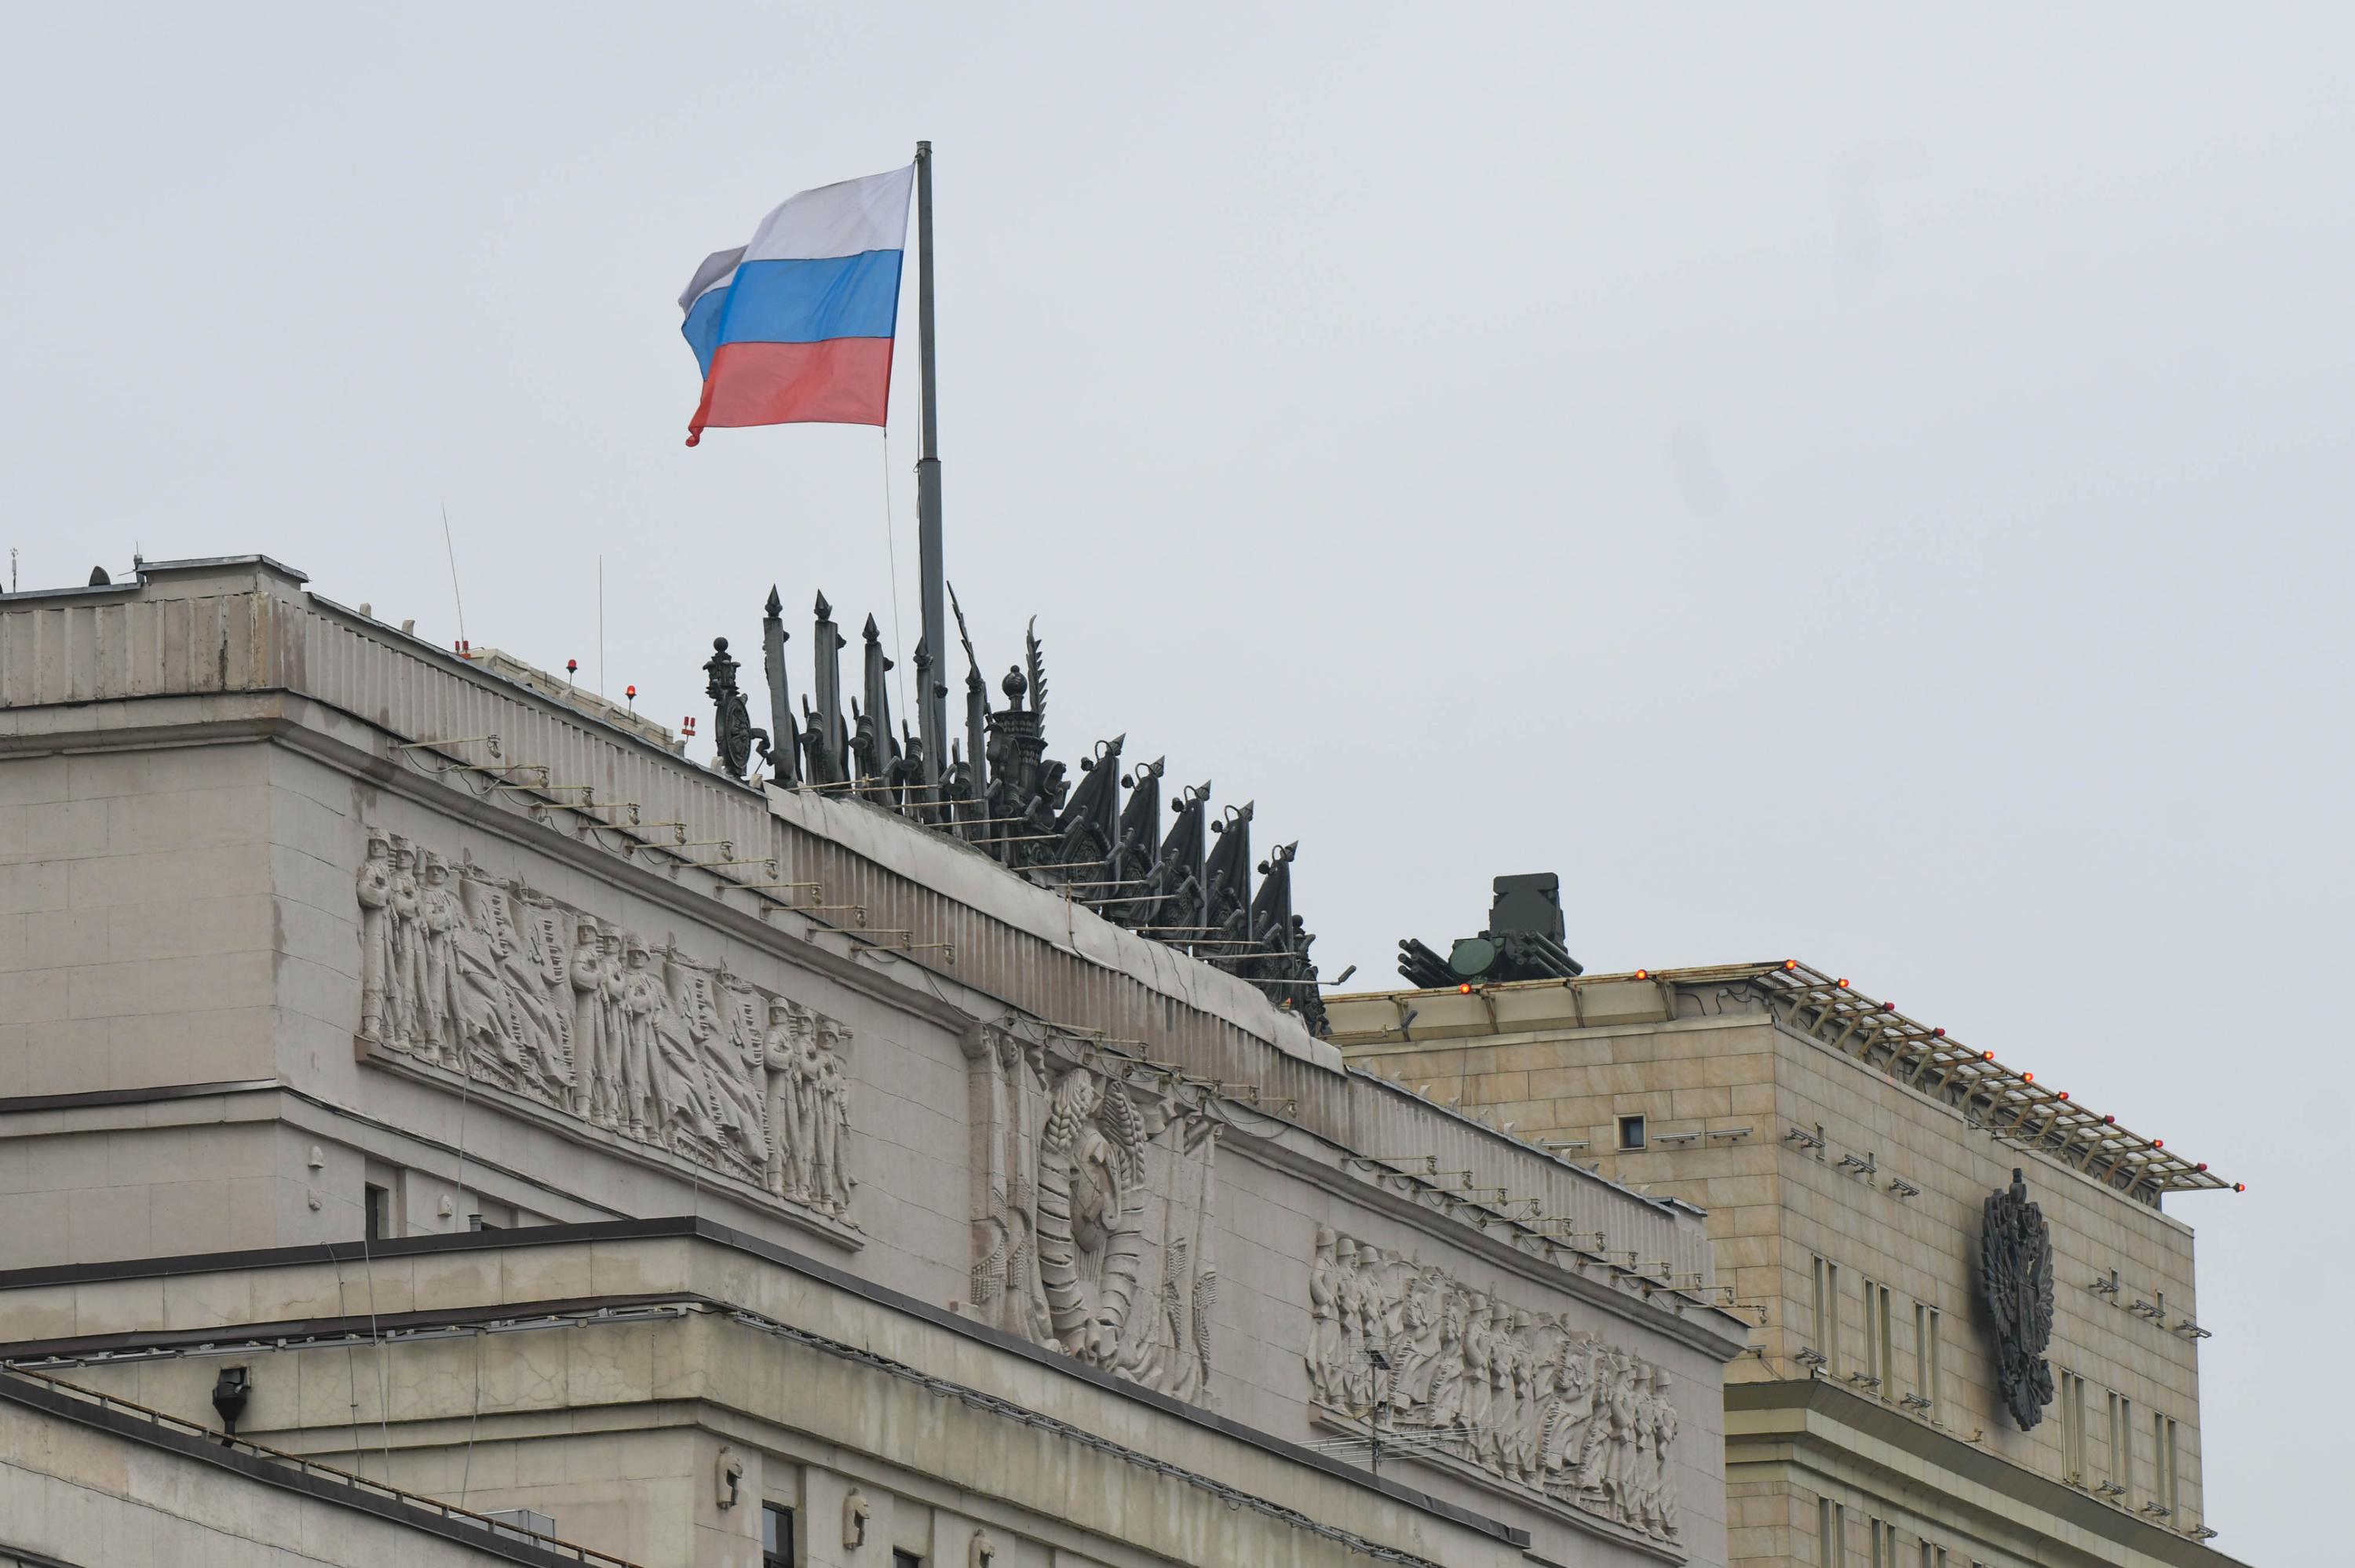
(450, 546)
(601, 623)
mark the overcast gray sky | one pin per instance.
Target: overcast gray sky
(1852, 483)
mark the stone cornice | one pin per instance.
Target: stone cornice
(1844, 1435)
(602, 1237)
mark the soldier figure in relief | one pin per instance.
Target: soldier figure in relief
(1520, 1440)
(491, 1019)
(534, 969)
(833, 1120)
(1324, 1327)
(732, 1065)
(779, 1060)
(1642, 1473)
(614, 1021)
(1571, 1411)
(1447, 1367)
(440, 913)
(1664, 1438)
(407, 945)
(641, 997)
(674, 1057)
(591, 1091)
(809, 1064)
(1349, 1295)
(374, 888)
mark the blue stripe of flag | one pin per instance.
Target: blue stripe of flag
(807, 300)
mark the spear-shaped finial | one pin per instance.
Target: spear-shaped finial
(785, 763)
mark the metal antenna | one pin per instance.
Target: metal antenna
(450, 546)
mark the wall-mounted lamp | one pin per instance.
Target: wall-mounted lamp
(230, 1391)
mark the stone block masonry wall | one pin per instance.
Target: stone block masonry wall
(1923, 1251)
(1845, 1265)
(136, 927)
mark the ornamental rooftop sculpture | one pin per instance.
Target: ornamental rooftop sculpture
(997, 791)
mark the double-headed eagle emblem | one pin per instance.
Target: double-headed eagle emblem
(2016, 1280)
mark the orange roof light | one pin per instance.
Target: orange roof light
(1643, 974)
(1463, 989)
(2239, 1186)
(1790, 963)
(2064, 1094)
(2158, 1143)
(1842, 982)
(2027, 1077)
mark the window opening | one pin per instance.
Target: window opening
(1827, 1315)
(378, 1202)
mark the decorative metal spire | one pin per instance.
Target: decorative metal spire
(873, 746)
(999, 790)
(827, 740)
(786, 753)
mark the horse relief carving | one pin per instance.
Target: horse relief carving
(1093, 1215)
(1433, 1366)
(480, 976)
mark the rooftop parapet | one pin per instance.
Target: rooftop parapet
(2007, 1103)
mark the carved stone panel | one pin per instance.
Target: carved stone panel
(2016, 1281)
(1405, 1353)
(479, 977)
(1094, 1204)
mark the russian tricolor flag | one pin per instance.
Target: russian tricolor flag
(796, 326)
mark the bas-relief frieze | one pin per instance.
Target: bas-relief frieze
(483, 977)
(1095, 1203)
(1402, 1349)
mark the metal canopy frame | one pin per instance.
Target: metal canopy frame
(1997, 1099)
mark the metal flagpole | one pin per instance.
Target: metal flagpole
(931, 715)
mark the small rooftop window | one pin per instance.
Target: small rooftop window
(1631, 1132)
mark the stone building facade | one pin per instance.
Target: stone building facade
(439, 1121)
(1893, 1409)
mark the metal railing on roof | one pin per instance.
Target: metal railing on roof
(2008, 1104)
(1999, 1100)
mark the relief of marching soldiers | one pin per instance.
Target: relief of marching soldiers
(482, 976)
(1518, 1393)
